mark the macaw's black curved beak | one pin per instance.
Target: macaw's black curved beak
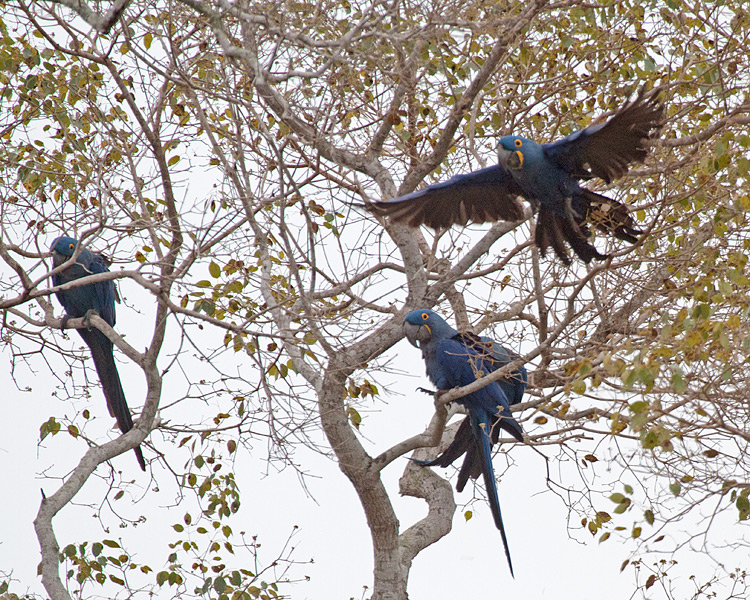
(502, 155)
(508, 159)
(416, 334)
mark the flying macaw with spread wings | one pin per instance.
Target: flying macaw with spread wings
(546, 175)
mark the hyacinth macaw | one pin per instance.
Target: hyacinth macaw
(546, 175)
(79, 302)
(456, 359)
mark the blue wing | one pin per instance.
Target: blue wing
(104, 290)
(461, 364)
(494, 356)
(79, 300)
(607, 149)
(457, 364)
(478, 197)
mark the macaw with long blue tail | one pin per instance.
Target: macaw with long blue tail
(79, 302)
(456, 359)
(546, 175)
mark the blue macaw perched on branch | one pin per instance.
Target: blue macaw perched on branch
(456, 359)
(79, 302)
(547, 176)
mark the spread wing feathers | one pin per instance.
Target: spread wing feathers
(104, 361)
(607, 149)
(478, 197)
(606, 214)
(610, 216)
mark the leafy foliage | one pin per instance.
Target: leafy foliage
(214, 151)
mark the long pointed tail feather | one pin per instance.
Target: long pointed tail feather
(607, 215)
(104, 361)
(483, 440)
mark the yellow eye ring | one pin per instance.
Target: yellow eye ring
(518, 143)
(71, 246)
(425, 316)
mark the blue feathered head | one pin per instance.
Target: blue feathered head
(423, 325)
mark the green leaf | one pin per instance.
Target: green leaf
(354, 417)
(622, 507)
(743, 506)
(675, 488)
(215, 270)
(579, 387)
(649, 516)
(49, 427)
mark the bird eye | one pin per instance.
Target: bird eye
(425, 316)
(518, 143)
(71, 246)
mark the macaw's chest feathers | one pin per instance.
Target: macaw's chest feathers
(547, 176)
(543, 182)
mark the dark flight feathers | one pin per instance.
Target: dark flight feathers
(547, 176)
(478, 197)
